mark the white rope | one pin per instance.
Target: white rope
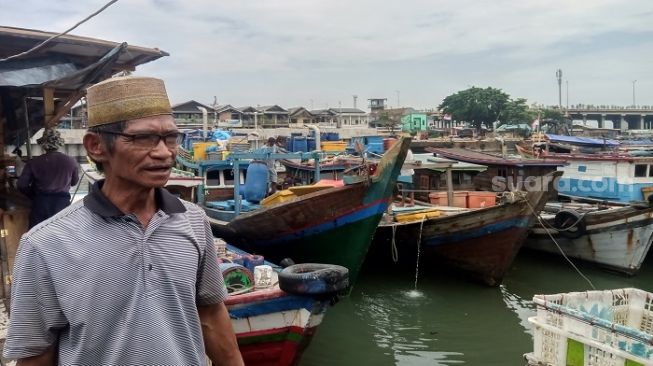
(559, 247)
(393, 245)
(40, 45)
(419, 245)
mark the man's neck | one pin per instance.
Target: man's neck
(130, 200)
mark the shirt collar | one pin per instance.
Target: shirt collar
(97, 202)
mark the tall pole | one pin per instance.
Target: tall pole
(559, 76)
(634, 101)
(567, 84)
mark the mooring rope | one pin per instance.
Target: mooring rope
(393, 245)
(419, 245)
(564, 255)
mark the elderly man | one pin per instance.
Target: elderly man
(46, 179)
(129, 275)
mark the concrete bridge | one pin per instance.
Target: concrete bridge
(623, 118)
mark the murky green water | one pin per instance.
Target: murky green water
(454, 321)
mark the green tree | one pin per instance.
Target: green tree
(475, 105)
(516, 111)
(390, 120)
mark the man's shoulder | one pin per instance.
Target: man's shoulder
(192, 208)
(64, 222)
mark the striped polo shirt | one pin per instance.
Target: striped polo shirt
(111, 291)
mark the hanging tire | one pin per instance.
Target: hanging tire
(570, 224)
(313, 279)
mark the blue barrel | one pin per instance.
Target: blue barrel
(311, 144)
(253, 260)
(256, 182)
(300, 144)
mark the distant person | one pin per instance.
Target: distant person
(272, 148)
(46, 179)
(406, 181)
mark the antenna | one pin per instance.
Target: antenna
(355, 98)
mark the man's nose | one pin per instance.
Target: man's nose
(162, 150)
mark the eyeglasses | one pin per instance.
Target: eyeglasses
(172, 140)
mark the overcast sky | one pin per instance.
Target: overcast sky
(412, 52)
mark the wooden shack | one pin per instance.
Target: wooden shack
(41, 78)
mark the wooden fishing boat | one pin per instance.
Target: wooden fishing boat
(615, 237)
(334, 225)
(330, 167)
(481, 242)
(274, 326)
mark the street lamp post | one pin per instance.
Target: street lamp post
(634, 101)
(559, 77)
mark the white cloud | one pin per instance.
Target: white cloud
(288, 52)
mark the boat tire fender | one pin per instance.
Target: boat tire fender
(313, 279)
(570, 224)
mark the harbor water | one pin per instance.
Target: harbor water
(449, 320)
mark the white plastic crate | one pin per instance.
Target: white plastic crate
(593, 328)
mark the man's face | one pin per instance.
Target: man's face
(138, 162)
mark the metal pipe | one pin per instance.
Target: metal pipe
(316, 129)
(205, 121)
(28, 143)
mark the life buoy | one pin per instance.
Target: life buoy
(313, 278)
(570, 224)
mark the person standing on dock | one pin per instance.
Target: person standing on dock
(46, 179)
(129, 275)
(405, 182)
(272, 148)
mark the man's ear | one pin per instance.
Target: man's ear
(95, 147)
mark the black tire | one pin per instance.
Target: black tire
(313, 279)
(570, 224)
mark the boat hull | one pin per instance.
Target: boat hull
(334, 225)
(482, 243)
(617, 240)
(272, 327)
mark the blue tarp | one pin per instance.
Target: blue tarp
(585, 141)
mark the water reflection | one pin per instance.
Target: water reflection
(523, 308)
(404, 328)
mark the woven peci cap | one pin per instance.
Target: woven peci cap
(126, 98)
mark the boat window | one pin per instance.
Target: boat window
(213, 178)
(650, 170)
(640, 170)
(467, 178)
(582, 168)
(228, 177)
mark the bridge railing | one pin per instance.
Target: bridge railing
(606, 108)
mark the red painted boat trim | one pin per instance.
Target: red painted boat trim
(254, 296)
(291, 329)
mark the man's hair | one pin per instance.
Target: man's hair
(109, 139)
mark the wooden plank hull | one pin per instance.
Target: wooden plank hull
(334, 225)
(618, 239)
(482, 243)
(272, 327)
